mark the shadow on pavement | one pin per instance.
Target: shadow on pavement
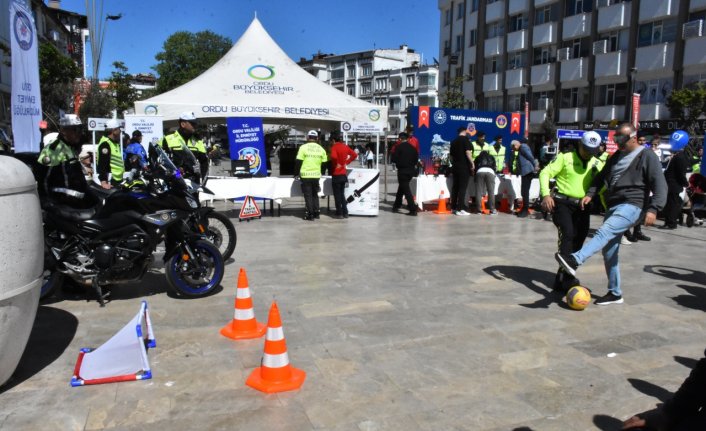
(51, 334)
(532, 279)
(651, 389)
(677, 274)
(687, 362)
(607, 423)
(696, 298)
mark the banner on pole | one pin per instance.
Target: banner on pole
(247, 142)
(527, 115)
(363, 127)
(636, 110)
(26, 99)
(150, 126)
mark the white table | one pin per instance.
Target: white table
(429, 187)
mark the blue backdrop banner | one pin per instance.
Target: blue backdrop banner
(247, 142)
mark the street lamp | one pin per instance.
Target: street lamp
(528, 89)
(96, 28)
(633, 71)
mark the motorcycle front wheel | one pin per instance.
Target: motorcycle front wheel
(198, 276)
(221, 233)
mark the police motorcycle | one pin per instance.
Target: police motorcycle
(113, 242)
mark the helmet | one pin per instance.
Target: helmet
(113, 123)
(678, 140)
(313, 134)
(70, 120)
(591, 141)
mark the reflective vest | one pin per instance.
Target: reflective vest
(573, 175)
(196, 146)
(175, 142)
(312, 156)
(602, 159)
(476, 149)
(56, 153)
(499, 156)
(117, 165)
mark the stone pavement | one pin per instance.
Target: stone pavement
(401, 323)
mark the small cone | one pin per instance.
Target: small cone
(243, 325)
(441, 209)
(483, 208)
(275, 374)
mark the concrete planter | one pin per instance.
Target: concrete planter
(21, 260)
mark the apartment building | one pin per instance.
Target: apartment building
(578, 59)
(387, 77)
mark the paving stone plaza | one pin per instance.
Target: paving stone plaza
(401, 323)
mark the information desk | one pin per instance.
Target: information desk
(428, 187)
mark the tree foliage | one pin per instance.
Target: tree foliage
(98, 103)
(186, 55)
(688, 104)
(549, 123)
(57, 73)
(125, 95)
(454, 97)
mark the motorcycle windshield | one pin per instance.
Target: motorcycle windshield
(159, 158)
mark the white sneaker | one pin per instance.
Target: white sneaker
(464, 213)
(625, 241)
(494, 212)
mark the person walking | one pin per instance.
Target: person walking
(461, 169)
(525, 166)
(573, 172)
(405, 158)
(630, 175)
(341, 156)
(309, 159)
(675, 175)
(110, 164)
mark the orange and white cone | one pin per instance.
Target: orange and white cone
(275, 374)
(243, 325)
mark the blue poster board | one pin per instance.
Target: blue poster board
(435, 128)
(246, 139)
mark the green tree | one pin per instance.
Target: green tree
(125, 95)
(98, 103)
(186, 55)
(57, 73)
(549, 124)
(688, 104)
(454, 97)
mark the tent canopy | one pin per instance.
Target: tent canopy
(257, 79)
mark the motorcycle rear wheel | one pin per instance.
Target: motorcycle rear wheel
(221, 233)
(196, 277)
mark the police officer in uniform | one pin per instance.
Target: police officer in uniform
(110, 164)
(309, 159)
(177, 145)
(59, 167)
(478, 145)
(198, 148)
(574, 173)
(497, 150)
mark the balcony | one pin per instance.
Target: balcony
(538, 116)
(572, 115)
(542, 74)
(493, 46)
(693, 5)
(491, 82)
(519, 6)
(614, 17)
(577, 26)
(515, 78)
(651, 10)
(695, 52)
(517, 41)
(654, 111)
(495, 11)
(574, 70)
(608, 112)
(611, 64)
(540, 3)
(544, 34)
(655, 57)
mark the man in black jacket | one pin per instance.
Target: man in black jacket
(461, 169)
(675, 174)
(405, 158)
(629, 176)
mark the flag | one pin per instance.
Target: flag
(636, 110)
(423, 116)
(515, 123)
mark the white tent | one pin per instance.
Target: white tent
(257, 79)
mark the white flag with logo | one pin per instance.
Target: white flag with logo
(26, 100)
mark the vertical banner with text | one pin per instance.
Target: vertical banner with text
(635, 110)
(527, 119)
(247, 142)
(150, 126)
(26, 100)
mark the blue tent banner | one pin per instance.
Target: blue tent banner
(247, 142)
(435, 128)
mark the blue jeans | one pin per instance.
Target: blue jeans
(617, 220)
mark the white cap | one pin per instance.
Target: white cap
(49, 138)
(113, 123)
(187, 116)
(591, 140)
(69, 120)
(312, 134)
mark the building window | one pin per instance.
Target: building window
(541, 100)
(471, 71)
(394, 104)
(496, 29)
(381, 102)
(699, 78)
(474, 5)
(427, 80)
(459, 43)
(447, 47)
(574, 97)
(409, 101)
(543, 15)
(381, 84)
(654, 91)
(351, 71)
(611, 94)
(517, 60)
(653, 33)
(518, 22)
(396, 83)
(494, 64)
(575, 7)
(617, 40)
(459, 72)
(494, 103)
(461, 10)
(351, 90)
(427, 101)
(365, 88)
(491, 1)
(337, 73)
(446, 79)
(578, 47)
(544, 55)
(410, 81)
(473, 37)
(448, 16)
(367, 69)
(514, 102)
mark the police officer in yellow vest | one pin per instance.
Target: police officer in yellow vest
(110, 164)
(497, 150)
(309, 159)
(198, 148)
(478, 145)
(178, 145)
(574, 172)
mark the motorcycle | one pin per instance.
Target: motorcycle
(113, 242)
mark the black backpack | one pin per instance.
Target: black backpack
(484, 160)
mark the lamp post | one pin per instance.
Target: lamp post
(97, 28)
(633, 72)
(528, 89)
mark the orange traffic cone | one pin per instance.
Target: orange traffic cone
(243, 324)
(441, 209)
(275, 374)
(504, 206)
(483, 208)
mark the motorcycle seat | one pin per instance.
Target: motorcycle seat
(70, 213)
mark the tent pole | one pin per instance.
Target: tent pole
(385, 165)
(377, 151)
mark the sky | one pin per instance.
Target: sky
(300, 27)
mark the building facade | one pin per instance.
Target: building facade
(578, 60)
(387, 77)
